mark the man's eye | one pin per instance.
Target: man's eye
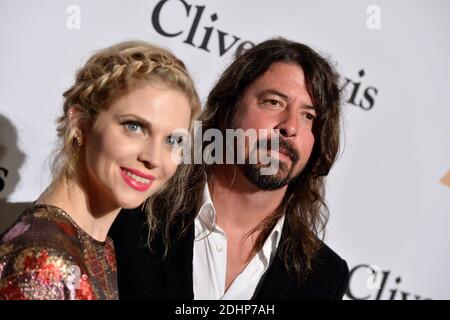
(310, 116)
(133, 126)
(272, 103)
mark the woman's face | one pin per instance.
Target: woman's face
(128, 150)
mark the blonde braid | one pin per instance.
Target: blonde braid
(128, 69)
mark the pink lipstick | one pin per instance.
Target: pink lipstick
(136, 179)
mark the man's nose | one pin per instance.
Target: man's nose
(289, 124)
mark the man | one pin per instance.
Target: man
(227, 231)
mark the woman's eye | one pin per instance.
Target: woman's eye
(133, 126)
(310, 116)
(175, 140)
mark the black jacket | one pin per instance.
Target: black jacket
(142, 274)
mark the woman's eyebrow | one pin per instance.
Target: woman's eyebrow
(147, 124)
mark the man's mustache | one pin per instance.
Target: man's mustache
(284, 146)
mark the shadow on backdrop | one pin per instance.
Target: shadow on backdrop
(11, 159)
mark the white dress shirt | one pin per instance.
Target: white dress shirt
(210, 258)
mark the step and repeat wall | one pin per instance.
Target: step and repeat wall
(389, 192)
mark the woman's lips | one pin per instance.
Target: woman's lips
(136, 179)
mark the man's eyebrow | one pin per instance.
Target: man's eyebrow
(307, 106)
(273, 91)
(285, 97)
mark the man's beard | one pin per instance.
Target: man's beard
(283, 177)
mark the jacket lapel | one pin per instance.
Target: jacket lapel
(276, 282)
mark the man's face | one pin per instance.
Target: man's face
(278, 100)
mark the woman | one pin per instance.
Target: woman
(121, 134)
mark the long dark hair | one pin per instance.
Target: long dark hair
(306, 213)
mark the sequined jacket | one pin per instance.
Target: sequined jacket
(45, 255)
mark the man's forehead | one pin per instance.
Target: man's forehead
(284, 80)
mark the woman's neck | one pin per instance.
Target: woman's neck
(95, 217)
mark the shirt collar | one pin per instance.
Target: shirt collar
(207, 215)
(207, 212)
(270, 246)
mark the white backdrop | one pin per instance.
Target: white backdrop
(389, 193)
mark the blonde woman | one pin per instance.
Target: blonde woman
(122, 125)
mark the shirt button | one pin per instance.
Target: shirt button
(219, 248)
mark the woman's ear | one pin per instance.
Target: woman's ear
(76, 126)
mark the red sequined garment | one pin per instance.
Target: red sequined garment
(45, 255)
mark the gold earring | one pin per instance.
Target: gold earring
(76, 154)
(78, 138)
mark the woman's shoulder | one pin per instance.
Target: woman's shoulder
(39, 224)
(40, 257)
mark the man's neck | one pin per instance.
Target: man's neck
(94, 217)
(239, 204)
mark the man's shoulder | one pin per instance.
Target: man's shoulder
(326, 279)
(329, 260)
(130, 233)
(329, 274)
(130, 223)
(139, 271)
